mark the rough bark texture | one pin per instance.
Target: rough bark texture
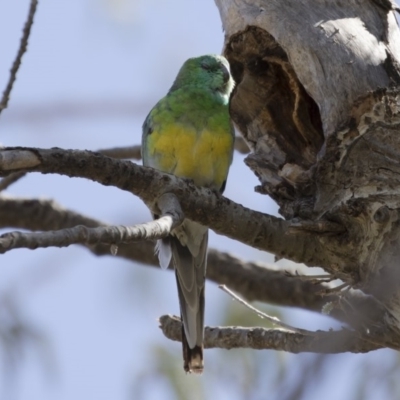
(317, 99)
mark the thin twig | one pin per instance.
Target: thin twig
(274, 320)
(21, 50)
(320, 278)
(129, 152)
(10, 179)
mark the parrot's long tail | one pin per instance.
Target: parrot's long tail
(193, 357)
(190, 277)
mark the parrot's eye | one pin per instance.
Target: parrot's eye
(206, 67)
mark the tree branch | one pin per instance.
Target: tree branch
(10, 179)
(241, 145)
(171, 217)
(134, 152)
(129, 152)
(273, 339)
(255, 282)
(22, 49)
(202, 205)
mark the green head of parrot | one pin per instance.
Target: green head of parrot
(208, 72)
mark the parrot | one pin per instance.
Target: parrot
(189, 134)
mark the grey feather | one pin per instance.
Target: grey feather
(189, 252)
(163, 250)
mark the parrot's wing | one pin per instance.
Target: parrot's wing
(163, 247)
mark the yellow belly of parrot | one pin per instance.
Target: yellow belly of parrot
(204, 156)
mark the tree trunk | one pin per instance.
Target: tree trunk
(317, 99)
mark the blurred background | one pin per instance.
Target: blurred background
(73, 326)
